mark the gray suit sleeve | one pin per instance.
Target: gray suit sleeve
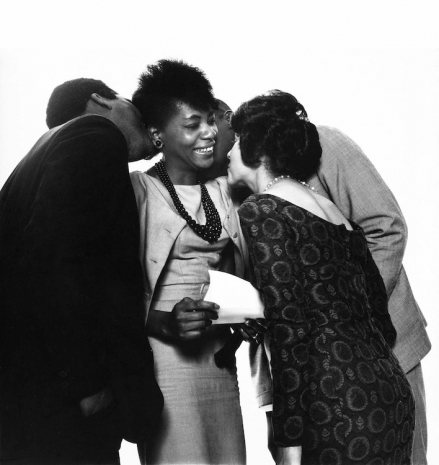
(348, 178)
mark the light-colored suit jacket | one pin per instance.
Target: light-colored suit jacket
(348, 178)
(157, 241)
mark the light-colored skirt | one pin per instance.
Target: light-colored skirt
(201, 421)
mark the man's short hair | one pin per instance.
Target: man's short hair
(69, 100)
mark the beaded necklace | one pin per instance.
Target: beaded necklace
(211, 231)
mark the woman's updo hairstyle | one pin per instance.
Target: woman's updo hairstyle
(168, 83)
(276, 126)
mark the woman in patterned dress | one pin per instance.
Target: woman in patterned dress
(339, 394)
(187, 228)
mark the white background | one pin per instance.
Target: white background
(369, 68)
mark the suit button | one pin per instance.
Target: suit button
(235, 235)
(65, 384)
(63, 374)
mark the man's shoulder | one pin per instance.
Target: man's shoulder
(94, 132)
(87, 123)
(332, 136)
(336, 144)
(88, 140)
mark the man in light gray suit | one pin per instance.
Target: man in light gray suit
(348, 178)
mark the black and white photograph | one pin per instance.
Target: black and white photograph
(218, 232)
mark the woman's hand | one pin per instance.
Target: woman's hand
(252, 330)
(288, 455)
(190, 318)
(281, 455)
(95, 403)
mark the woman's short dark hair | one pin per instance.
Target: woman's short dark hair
(68, 100)
(276, 126)
(167, 83)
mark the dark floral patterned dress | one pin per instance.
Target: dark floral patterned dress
(338, 390)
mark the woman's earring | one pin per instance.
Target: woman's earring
(158, 144)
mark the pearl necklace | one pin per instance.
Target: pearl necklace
(308, 186)
(285, 176)
(275, 180)
(211, 231)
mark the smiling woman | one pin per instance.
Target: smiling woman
(188, 139)
(187, 228)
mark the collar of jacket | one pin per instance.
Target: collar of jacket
(156, 244)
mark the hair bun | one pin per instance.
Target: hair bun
(276, 126)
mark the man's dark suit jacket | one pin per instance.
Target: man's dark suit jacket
(71, 295)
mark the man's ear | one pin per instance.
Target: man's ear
(228, 117)
(101, 101)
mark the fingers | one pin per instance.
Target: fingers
(190, 305)
(259, 326)
(196, 315)
(195, 310)
(190, 318)
(196, 325)
(256, 329)
(248, 334)
(191, 330)
(262, 323)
